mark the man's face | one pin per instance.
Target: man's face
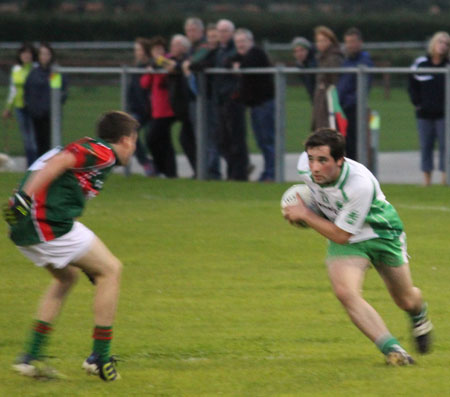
(212, 37)
(300, 53)
(225, 32)
(353, 44)
(242, 43)
(193, 32)
(129, 147)
(324, 168)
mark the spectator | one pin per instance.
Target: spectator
(304, 56)
(354, 56)
(180, 95)
(202, 59)
(159, 140)
(138, 101)
(257, 92)
(231, 113)
(26, 55)
(329, 56)
(37, 95)
(195, 32)
(427, 93)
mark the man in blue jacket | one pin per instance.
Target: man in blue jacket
(354, 56)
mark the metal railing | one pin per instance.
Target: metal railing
(280, 75)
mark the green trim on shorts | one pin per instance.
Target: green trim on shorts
(378, 251)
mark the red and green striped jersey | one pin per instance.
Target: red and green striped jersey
(55, 207)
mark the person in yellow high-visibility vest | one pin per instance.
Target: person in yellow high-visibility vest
(37, 95)
(15, 103)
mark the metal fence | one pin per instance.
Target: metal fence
(280, 75)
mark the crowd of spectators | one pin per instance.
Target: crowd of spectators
(168, 89)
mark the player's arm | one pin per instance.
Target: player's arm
(300, 212)
(54, 167)
(19, 205)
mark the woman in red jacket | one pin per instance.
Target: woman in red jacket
(159, 139)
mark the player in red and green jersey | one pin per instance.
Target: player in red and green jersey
(41, 216)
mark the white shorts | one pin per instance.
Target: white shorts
(62, 250)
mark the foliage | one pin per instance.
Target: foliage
(125, 27)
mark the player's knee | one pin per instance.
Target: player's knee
(67, 279)
(115, 268)
(345, 295)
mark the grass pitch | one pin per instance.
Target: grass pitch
(221, 297)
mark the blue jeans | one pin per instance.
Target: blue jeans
(27, 130)
(431, 130)
(263, 124)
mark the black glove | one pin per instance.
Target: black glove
(18, 208)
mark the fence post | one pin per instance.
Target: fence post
(280, 123)
(55, 112)
(447, 125)
(124, 106)
(361, 115)
(201, 128)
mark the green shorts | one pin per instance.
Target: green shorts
(378, 251)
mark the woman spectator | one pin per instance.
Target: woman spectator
(159, 140)
(427, 93)
(26, 55)
(329, 56)
(138, 101)
(37, 95)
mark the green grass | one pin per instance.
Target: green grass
(398, 131)
(220, 297)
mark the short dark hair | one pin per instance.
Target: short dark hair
(26, 47)
(158, 41)
(353, 32)
(327, 137)
(113, 125)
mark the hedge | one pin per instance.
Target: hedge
(274, 27)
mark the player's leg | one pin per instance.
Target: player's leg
(106, 270)
(409, 298)
(29, 363)
(347, 275)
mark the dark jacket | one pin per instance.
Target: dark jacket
(224, 85)
(179, 92)
(309, 80)
(254, 89)
(427, 91)
(37, 92)
(347, 81)
(138, 98)
(203, 60)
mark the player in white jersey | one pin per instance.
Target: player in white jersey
(362, 228)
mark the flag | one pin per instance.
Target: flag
(336, 115)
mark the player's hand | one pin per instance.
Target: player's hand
(17, 208)
(297, 212)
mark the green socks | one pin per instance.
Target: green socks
(102, 342)
(38, 338)
(418, 318)
(388, 343)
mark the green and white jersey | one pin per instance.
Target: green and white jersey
(354, 203)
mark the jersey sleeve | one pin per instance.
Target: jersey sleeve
(353, 214)
(90, 155)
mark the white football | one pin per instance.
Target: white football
(290, 198)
